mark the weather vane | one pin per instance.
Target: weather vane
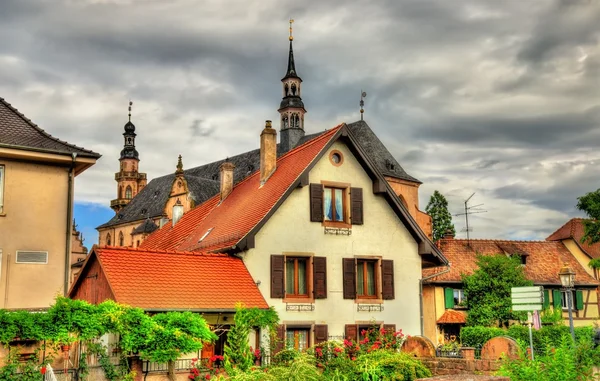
(291, 22)
(130, 104)
(363, 95)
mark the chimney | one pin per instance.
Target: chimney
(449, 234)
(268, 152)
(177, 212)
(226, 178)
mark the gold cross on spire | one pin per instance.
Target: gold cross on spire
(130, 104)
(291, 22)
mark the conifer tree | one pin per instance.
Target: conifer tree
(441, 218)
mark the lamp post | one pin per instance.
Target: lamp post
(567, 279)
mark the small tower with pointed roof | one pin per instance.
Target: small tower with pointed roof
(291, 109)
(129, 181)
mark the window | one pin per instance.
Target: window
(333, 204)
(297, 338)
(459, 297)
(296, 283)
(454, 297)
(121, 239)
(1, 189)
(108, 239)
(565, 304)
(128, 192)
(39, 257)
(366, 278)
(336, 158)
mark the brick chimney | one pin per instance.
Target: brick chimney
(226, 178)
(449, 234)
(268, 152)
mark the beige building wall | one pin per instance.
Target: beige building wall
(581, 257)
(34, 219)
(290, 230)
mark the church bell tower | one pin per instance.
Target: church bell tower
(129, 181)
(291, 109)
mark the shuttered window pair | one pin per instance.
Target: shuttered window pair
(362, 279)
(289, 277)
(559, 299)
(330, 204)
(299, 337)
(354, 332)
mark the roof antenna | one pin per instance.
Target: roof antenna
(363, 95)
(469, 210)
(130, 104)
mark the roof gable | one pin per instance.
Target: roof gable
(574, 229)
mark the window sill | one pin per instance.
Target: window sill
(2, 214)
(337, 224)
(298, 299)
(368, 301)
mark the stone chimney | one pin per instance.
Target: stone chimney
(226, 178)
(268, 152)
(449, 234)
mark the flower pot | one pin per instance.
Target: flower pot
(65, 347)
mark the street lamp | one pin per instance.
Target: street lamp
(567, 279)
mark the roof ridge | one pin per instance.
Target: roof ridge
(161, 251)
(41, 130)
(494, 240)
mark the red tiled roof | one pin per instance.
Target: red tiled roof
(544, 260)
(243, 209)
(574, 230)
(159, 279)
(452, 317)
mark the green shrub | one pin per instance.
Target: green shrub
(387, 366)
(547, 335)
(477, 336)
(302, 368)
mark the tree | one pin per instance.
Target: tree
(487, 290)
(590, 204)
(441, 218)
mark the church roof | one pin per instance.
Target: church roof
(18, 132)
(291, 69)
(204, 180)
(147, 227)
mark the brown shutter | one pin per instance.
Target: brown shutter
(356, 202)
(389, 328)
(320, 277)
(387, 277)
(280, 344)
(316, 202)
(349, 269)
(277, 271)
(321, 333)
(351, 332)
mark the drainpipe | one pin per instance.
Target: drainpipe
(421, 295)
(69, 222)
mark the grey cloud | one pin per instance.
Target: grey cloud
(199, 128)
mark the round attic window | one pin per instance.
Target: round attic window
(336, 158)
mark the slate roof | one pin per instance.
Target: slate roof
(544, 260)
(148, 226)
(451, 316)
(158, 279)
(150, 202)
(574, 230)
(18, 132)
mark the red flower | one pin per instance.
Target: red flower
(207, 376)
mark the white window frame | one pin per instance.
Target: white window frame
(31, 263)
(2, 175)
(563, 300)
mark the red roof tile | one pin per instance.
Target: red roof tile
(242, 210)
(544, 260)
(574, 230)
(160, 279)
(452, 317)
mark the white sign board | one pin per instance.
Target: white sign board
(527, 298)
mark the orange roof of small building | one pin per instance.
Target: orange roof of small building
(452, 317)
(543, 260)
(232, 219)
(574, 229)
(161, 279)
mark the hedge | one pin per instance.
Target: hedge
(547, 335)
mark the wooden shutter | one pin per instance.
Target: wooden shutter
(578, 300)
(280, 344)
(449, 297)
(556, 298)
(277, 271)
(389, 328)
(320, 277)
(321, 333)
(349, 269)
(351, 332)
(356, 202)
(387, 279)
(546, 299)
(316, 202)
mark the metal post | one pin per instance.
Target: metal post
(570, 306)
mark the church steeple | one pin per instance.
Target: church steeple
(129, 181)
(291, 109)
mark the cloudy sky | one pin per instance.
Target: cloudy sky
(501, 98)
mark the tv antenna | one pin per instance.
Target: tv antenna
(469, 210)
(363, 95)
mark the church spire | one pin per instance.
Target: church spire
(291, 109)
